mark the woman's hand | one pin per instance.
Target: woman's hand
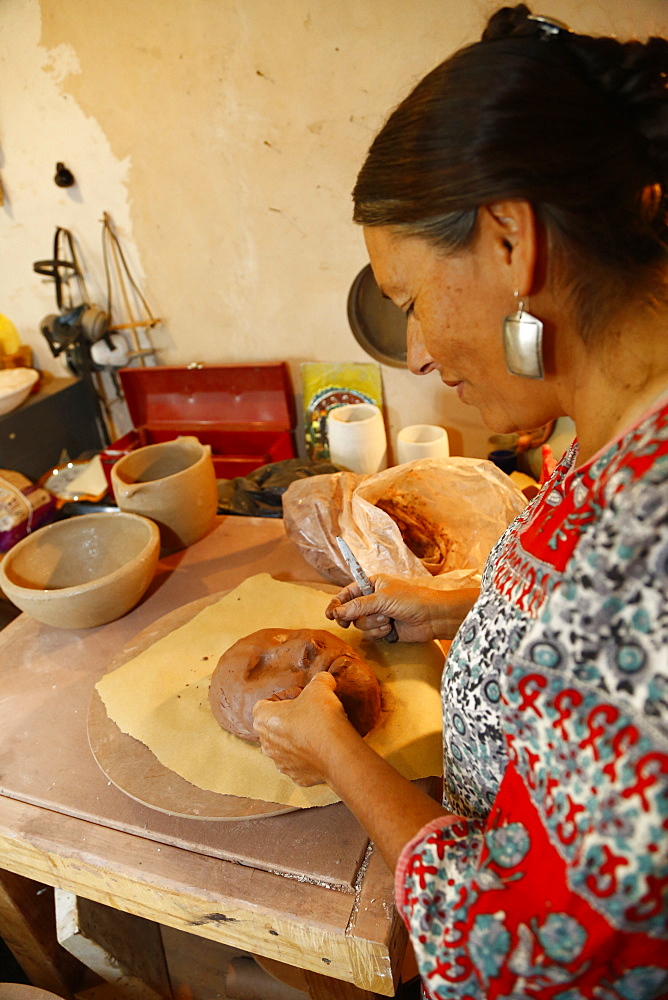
(310, 740)
(301, 735)
(419, 613)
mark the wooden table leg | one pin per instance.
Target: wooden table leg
(120, 948)
(28, 926)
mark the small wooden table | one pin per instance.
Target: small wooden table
(305, 888)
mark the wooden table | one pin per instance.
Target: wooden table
(305, 888)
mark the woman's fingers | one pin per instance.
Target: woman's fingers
(419, 613)
(371, 614)
(291, 731)
(365, 612)
(287, 694)
(341, 599)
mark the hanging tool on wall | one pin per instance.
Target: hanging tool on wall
(79, 325)
(133, 301)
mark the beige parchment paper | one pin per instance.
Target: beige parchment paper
(161, 697)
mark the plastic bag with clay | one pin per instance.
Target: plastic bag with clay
(434, 520)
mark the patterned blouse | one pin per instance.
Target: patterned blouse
(554, 882)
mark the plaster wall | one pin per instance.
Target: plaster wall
(223, 138)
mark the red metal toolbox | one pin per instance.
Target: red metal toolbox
(245, 412)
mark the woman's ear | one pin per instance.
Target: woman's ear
(512, 227)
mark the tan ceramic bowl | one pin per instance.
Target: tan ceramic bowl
(173, 483)
(83, 571)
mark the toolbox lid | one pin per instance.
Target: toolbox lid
(256, 396)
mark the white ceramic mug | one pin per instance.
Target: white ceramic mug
(422, 441)
(356, 436)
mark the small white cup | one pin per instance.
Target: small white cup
(422, 441)
(356, 436)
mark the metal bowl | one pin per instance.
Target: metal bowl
(378, 325)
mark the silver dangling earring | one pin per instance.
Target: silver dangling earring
(523, 343)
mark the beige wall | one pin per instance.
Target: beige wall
(223, 138)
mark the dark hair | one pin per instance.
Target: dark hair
(576, 125)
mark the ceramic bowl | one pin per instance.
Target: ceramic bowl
(15, 387)
(84, 571)
(173, 483)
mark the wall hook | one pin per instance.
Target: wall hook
(64, 178)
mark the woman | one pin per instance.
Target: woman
(515, 207)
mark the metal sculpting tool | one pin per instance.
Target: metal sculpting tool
(361, 579)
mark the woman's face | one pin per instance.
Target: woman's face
(455, 305)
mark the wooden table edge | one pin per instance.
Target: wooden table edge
(37, 844)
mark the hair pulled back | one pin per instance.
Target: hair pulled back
(576, 125)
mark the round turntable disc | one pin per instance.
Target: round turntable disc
(137, 772)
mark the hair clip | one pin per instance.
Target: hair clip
(549, 25)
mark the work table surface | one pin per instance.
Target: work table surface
(305, 888)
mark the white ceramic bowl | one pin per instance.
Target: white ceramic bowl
(84, 571)
(15, 386)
